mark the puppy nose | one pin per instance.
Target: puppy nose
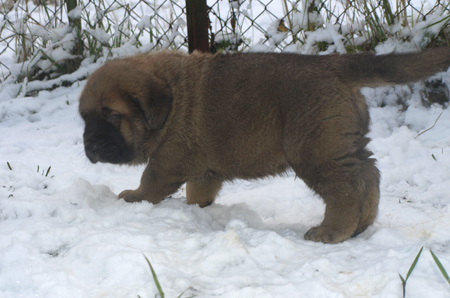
(92, 151)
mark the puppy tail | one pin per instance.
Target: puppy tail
(371, 71)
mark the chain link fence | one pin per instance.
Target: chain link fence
(283, 24)
(45, 33)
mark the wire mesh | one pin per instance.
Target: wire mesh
(276, 25)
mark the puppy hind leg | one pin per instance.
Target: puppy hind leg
(370, 207)
(349, 189)
(350, 192)
(342, 191)
(202, 191)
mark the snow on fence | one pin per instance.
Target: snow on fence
(43, 39)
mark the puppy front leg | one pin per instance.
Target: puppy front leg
(156, 185)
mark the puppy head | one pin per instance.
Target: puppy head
(123, 105)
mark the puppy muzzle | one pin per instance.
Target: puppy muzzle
(104, 143)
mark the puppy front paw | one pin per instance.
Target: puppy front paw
(130, 196)
(328, 234)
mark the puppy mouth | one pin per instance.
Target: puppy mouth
(101, 151)
(93, 158)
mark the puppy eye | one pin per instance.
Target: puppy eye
(114, 117)
(111, 116)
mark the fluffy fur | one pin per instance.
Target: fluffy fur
(204, 119)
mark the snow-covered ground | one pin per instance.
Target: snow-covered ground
(66, 234)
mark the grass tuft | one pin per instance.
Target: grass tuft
(45, 173)
(413, 265)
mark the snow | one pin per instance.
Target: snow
(100, 35)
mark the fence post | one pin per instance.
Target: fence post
(76, 25)
(197, 25)
(73, 64)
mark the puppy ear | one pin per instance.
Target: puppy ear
(155, 103)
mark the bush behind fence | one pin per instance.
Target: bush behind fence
(43, 40)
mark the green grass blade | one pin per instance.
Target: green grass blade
(185, 292)
(446, 20)
(388, 12)
(403, 285)
(441, 268)
(155, 278)
(9, 166)
(413, 265)
(401, 277)
(48, 171)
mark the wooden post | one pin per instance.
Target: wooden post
(75, 63)
(71, 4)
(197, 24)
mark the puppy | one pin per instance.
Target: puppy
(204, 119)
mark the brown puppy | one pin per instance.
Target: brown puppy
(204, 119)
